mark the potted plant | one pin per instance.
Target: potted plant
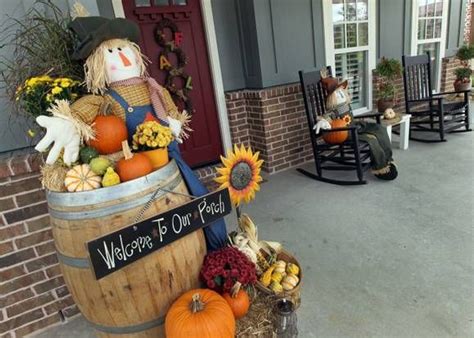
(152, 139)
(463, 73)
(387, 71)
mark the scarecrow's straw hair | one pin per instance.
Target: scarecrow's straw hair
(95, 68)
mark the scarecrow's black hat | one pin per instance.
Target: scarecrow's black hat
(91, 31)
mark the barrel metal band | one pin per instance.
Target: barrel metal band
(115, 209)
(128, 329)
(76, 262)
(85, 198)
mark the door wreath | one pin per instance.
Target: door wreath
(180, 94)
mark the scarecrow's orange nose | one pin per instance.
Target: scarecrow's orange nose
(126, 62)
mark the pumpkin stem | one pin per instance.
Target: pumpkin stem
(127, 153)
(235, 289)
(197, 303)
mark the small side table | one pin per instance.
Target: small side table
(404, 121)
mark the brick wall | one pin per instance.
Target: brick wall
(468, 22)
(31, 286)
(272, 121)
(400, 98)
(448, 65)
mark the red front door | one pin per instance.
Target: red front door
(184, 65)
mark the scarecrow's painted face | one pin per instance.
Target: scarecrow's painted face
(121, 63)
(342, 97)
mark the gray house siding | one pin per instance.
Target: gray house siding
(231, 57)
(456, 20)
(394, 20)
(290, 37)
(393, 28)
(13, 128)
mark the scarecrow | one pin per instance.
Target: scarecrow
(115, 74)
(338, 106)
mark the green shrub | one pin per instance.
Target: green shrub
(389, 68)
(386, 91)
(462, 73)
(387, 71)
(465, 52)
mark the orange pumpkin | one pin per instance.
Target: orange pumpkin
(200, 313)
(110, 131)
(336, 137)
(132, 165)
(238, 301)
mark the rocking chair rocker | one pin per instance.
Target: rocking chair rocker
(352, 154)
(430, 112)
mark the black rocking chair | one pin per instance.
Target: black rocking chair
(350, 155)
(430, 112)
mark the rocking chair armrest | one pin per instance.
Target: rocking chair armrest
(338, 129)
(376, 115)
(427, 99)
(453, 92)
(361, 116)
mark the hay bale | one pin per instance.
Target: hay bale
(259, 320)
(52, 177)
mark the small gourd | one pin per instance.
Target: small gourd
(86, 154)
(277, 277)
(81, 178)
(389, 114)
(266, 278)
(276, 287)
(99, 165)
(289, 282)
(110, 178)
(280, 266)
(293, 269)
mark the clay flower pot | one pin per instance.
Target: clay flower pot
(384, 104)
(460, 85)
(158, 157)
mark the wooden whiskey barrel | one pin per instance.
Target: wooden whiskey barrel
(133, 301)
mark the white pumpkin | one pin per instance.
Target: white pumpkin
(389, 114)
(81, 178)
(289, 282)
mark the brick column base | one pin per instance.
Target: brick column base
(32, 289)
(273, 122)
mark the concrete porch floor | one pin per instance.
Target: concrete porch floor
(388, 259)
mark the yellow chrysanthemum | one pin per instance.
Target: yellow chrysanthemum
(56, 90)
(240, 174)
(152, 135)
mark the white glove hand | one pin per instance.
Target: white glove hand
(321, 124)
(64, 135)
(175, 127)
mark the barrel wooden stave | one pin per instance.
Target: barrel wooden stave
(141, 292)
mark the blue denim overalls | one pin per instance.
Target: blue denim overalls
(216, 233)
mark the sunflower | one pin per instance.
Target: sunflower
(240, 174)
(347, 119)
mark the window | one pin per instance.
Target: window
(351, 66)
(429, 32)
(350, 46)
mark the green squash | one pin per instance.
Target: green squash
(86, 154)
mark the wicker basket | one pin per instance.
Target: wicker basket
(294, 294)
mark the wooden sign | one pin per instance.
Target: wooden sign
(123, 247)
